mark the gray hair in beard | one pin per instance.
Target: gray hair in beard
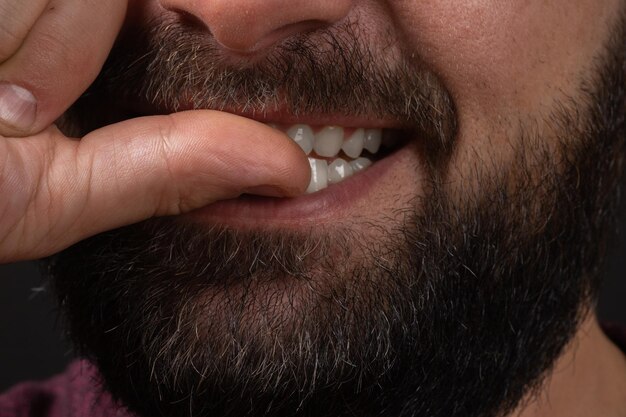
(176, 66)
(460, 312)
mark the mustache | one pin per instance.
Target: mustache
(174, 65)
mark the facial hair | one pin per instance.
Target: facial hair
(459, 309)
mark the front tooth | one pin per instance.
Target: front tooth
(338, 170)
(328, 141)
(303, 136)
(373, 137)
(319, 175)
(360, 164)
(354, 145)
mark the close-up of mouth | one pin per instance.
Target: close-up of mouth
(349, 158)
(364, 139)
(337, 147)
(345, 162)
(336, 153)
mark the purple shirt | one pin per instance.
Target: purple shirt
(74, 393)
(77, 393)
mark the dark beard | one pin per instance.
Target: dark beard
(459, 310)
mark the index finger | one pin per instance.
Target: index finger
(65, 190)
(15, 22)
(59, 59)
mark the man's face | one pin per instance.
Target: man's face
(442, 280)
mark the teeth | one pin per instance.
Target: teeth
(354, 145)
(303, 136)
(338, 170)
(328, 141)
(319, 175)
(360, 164)
(373, 138)
(323, 174)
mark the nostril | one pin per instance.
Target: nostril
(189, 20)
(193, 21)
(245, 26)
(283, 33)
(261, 37)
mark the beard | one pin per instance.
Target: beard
(458, 308)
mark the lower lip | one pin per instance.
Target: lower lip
(328, 204)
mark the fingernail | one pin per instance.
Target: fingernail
(18, 107)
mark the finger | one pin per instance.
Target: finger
(16, 21)
(58, 60)
(125, 173)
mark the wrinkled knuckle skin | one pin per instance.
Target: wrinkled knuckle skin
(57, 51)
(12, 208)
(171, 200)
(9, 41)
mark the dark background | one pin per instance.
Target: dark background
(32, 345)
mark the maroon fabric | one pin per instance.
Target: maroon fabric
(77, 393)
(74, 393)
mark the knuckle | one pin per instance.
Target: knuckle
(15, 196)
(165, 146)
(10, 42)
(12, 33)
(172, 198)
(53, 44)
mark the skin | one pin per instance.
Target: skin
(59, 187)
(591, 371)
(499, 60)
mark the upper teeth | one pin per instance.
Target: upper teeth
(303, 136)
(328, 142)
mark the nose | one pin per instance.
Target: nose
(251, 25)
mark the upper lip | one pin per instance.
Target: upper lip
(284, 117)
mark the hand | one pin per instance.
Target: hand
(55, 191)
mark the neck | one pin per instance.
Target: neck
(589, 379)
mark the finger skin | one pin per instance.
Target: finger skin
(61, 56)
(17, 17)
(62, 190)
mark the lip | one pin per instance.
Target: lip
(282, 116)
(326, 206)
(285, 119)
(329, 205)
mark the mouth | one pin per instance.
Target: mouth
(347, 165)
(355, 162)
(337, 153)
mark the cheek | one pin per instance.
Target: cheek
(504, 62)
(495, 53)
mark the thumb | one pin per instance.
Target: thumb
(140, 168)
